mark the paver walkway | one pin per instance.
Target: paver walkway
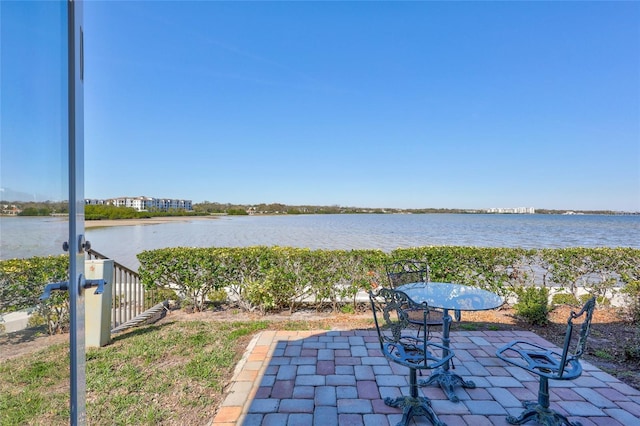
(329, 378)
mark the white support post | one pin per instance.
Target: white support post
(97, 307)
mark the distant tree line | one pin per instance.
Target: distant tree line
(45, 208)
(209, 207)
(278, 208)
(102, 212)
(93, 212)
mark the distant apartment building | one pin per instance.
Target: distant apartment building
(517, 210)
(144, 203)
(10, 210)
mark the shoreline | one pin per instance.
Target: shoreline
(106, 223)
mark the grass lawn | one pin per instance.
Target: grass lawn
(172, 373)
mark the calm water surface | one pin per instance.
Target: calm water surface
(25, 237)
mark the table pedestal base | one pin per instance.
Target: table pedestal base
(447, 380)
(414, 406)
(541, 415)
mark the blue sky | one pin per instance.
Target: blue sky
(371, 104)
(33, 164)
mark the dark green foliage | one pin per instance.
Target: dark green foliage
(35, 211)
(237, 212)
(565, 299)
(275, 278)
(533, 304)
(22, 282)
(632, 353)
(104, 212)
(44, 208)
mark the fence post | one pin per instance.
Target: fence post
(98, 306)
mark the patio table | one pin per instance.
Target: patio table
(450, 296)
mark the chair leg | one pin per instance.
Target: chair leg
(414, 405)
(540, 411)
(425, 338)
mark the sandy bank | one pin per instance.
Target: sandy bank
(149, 221)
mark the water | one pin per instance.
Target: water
(25, 237)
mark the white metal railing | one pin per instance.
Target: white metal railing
(129, 297)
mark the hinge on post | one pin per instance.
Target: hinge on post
(95, 283)
(64, 286)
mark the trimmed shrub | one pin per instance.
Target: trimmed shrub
(533, 304)
(565, 299)
(22, 282)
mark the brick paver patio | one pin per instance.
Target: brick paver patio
(329, 378)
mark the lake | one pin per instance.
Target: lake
(27, 236)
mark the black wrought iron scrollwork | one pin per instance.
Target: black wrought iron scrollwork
(402, 346)
(549, 364)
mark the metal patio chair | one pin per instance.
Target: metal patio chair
(403, 347)
(407, 271)
(549, 364)
(415, 271)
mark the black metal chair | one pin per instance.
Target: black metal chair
(549, 364)
(398, 345)
(407, 271)
(415, 271)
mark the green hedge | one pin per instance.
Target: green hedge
(22, 282)
(261, 278)
(275, 278)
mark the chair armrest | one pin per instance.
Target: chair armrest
(443, 349)
(539, 360)
(413, 356)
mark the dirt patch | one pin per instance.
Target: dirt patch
(27, 341)
(613, 346)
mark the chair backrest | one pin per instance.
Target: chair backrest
(390, 312)
(585, 328)
(407, 271)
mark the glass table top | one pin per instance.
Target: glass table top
(452, 296)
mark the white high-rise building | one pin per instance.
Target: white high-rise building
(518, 210)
